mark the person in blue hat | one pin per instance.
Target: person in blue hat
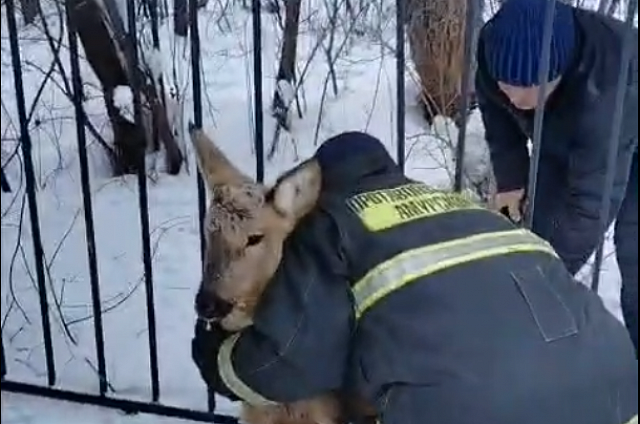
(585, 59)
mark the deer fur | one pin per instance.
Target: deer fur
(246, 224)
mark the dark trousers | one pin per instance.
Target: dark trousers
(626, 241)
(552, 173)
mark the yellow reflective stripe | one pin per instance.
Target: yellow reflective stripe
(417, 263)
(231, 379)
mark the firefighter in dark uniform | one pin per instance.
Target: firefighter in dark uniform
(426, 305)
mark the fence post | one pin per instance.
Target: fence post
(612, 154)
(25, 144)
(136, 84)
(538, 119)
(257, 87)
(470, 26)
(3, 365)
(76, 82)
(400, 82)
(196, 88)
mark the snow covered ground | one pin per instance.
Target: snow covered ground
(366, 100)
(20, 409)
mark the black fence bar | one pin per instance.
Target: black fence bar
(126, 405)
(30, 179)
(3, 365)
(400, 83)
(256, 18)
(80, 118)
(538, 120)
(144, 207)
(196, 84)
(470, 27)
(612, 154)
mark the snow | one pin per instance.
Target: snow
(286, 91)
(366, 100)
(123, 100)
(20, 409)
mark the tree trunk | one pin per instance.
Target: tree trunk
(181, 17)
(30, 10)
(436, 39)
(109, 62)
(286, 75)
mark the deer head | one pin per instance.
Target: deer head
(246, 224)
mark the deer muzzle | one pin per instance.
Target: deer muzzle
(211, 307)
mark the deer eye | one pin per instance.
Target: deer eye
(254, 239)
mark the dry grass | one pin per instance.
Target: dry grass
(436, 38)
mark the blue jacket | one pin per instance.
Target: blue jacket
(577, 128)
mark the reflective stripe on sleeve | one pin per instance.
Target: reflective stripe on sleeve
(414, 264)
(231, 379)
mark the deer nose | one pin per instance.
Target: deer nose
(212, 306)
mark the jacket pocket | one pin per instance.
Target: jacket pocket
(549, 311)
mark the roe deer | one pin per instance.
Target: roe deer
(246, 224)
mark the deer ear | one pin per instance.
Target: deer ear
(215, 167)
(297, 191)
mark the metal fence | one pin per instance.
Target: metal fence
(154, 405)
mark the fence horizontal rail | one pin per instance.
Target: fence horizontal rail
(126, 405)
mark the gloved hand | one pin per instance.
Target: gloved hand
(510, 204)
(204, 352)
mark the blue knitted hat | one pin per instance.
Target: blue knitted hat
(513, 41)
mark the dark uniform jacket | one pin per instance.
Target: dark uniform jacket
(577, 130)
(389, 283)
